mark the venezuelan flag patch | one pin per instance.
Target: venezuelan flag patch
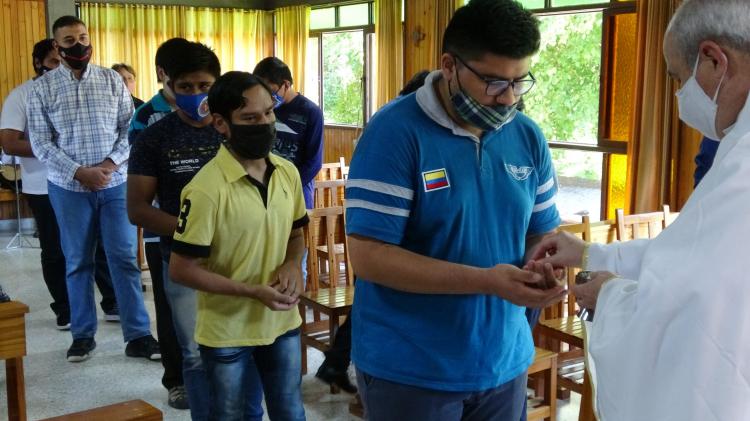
(435, 180)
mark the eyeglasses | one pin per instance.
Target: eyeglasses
(497, 87)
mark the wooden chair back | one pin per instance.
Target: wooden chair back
(327, 193)
(326, 231)
(583, 231)
(641, 225)
(333, 170)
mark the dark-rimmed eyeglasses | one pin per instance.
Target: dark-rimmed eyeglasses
(497, 87)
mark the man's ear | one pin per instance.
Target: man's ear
(447, 66)
(220, 124)
(710, 50)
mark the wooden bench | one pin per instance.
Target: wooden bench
(12, 350)
(135, 410)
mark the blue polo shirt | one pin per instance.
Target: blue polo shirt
(421, 182)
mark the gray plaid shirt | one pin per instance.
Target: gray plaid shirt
(75, 123)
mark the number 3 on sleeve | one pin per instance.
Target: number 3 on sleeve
(182, 219)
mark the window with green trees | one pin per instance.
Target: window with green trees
(337, 60)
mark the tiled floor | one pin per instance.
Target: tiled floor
(55, 387)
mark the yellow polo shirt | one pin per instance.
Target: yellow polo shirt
(240, 229)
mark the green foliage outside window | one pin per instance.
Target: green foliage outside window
(343, 65)
(565, 100)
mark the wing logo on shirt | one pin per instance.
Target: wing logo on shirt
(518, 172)
(435, 180)
(283, 127)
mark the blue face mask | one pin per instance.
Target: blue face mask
(278, 101)
(195, 106)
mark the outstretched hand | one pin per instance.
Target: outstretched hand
(523, 287)
(561, 249)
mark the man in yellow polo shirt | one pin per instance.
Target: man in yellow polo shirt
(239, 243)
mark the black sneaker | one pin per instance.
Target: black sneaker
(112, 315)
(178, 398)
(331, 375)
(81, 349)
(3, 296)
(63, 322)
(144, 347)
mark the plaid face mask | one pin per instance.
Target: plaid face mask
(481, 116)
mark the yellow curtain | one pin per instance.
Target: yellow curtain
(131, 33)
(660, 155)
(389, 55)
(25, 24)
(292, 31)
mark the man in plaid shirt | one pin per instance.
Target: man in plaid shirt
(78, 117)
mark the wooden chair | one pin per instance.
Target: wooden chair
(544, 367)
(326, 227)
(561, 331)
(333, 170)
(135, 410)
(327, 193)
(641, 225)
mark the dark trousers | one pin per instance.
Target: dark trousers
(53, 260)
(339, 356)
(171, 355)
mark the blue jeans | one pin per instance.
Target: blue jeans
(79, 216)
(182, 301)
(385, 400)
(233, 371)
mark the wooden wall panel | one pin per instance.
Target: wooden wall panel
(339, 141)
(425, 22)
(420, 34)
(23, 23)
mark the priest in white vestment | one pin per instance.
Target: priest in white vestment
(671, 333)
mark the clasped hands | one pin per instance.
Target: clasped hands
(561, 250)
(97, 177)
(282, 292)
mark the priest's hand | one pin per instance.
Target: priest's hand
(552, 277)
(561, 249)
(587, 294)
(523, 287)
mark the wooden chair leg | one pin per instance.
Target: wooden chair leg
(550, 390)
(16, 389)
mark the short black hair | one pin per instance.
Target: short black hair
(169, 51)
(40, 51)
(414, 83)
(195, 57)
(499, 27)
(273, 70)
(64, 21)
(225, 94)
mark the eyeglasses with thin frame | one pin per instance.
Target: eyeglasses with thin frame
(497, 87)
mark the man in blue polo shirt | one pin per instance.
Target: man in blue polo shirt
(447, 190)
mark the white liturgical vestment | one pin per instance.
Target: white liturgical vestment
(671, 335)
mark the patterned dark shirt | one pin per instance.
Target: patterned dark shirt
(173, 152)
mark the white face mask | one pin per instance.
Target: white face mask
(697, 109)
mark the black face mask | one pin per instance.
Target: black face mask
(252, 141)
(77, 56)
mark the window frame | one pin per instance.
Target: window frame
(368, 32)
(607, 146)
